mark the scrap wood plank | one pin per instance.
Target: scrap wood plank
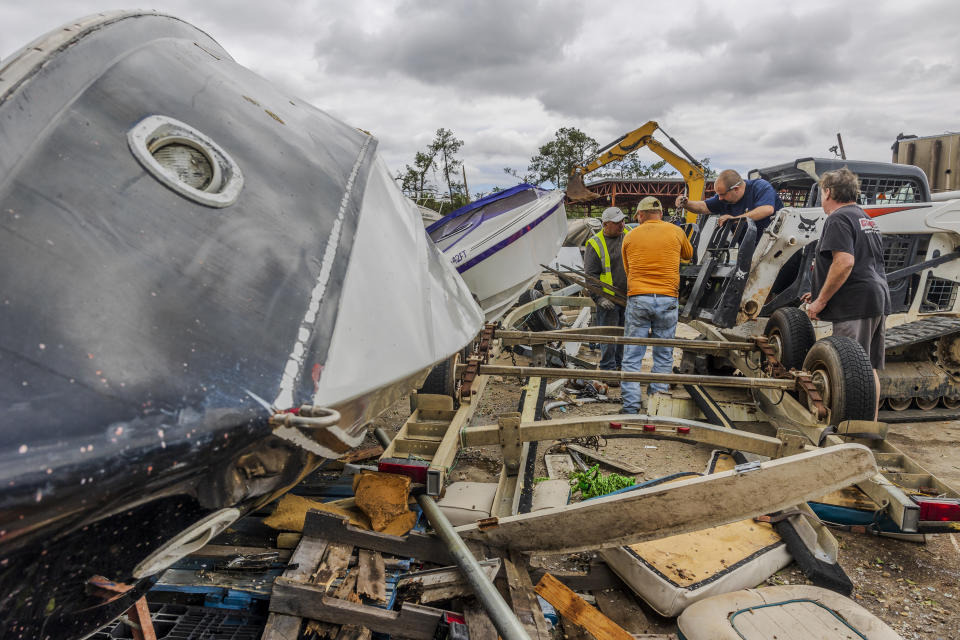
(302, 564)
(610, 461)
(446, 583)
(320, 630)
(573, 608)
(335, 563)
(347, 590)
(354, 632)
(357, 455)
(337, 529)
(523, 598)
(479, 625)
(371, 575)
(308, 601)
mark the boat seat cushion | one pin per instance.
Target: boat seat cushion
(672, 573)
(789, 612)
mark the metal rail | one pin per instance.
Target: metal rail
(637, 376)
(603, 337)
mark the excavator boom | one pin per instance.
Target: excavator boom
(691, 170)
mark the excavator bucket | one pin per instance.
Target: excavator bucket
(577, 191)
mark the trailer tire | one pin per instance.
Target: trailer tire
(442, 379)
(843, 374)
(791, 333)
(544, 319)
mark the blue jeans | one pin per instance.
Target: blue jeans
(611, 355)
(653, 315)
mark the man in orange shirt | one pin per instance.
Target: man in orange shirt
(651, 259)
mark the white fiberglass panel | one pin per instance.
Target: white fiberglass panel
(403, 306)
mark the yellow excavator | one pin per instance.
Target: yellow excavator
(692, 171)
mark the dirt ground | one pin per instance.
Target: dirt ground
(914, 587)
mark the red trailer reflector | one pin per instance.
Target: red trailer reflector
(416, 471)
(938, 509)
(683, 429)
(616, 425)
(649, 427)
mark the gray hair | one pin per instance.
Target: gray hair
(843, 184)
(728, 178)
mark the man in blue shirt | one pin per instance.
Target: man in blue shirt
(737, 198)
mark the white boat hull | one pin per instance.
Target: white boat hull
(502, 258)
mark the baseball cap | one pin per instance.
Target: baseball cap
(649, 204)
(612, 214)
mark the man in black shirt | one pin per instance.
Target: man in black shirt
(849, 285)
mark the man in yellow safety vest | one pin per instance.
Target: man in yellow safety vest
(602, 259)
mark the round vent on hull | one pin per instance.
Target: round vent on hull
(186, 161)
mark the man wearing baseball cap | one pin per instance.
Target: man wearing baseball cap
(651, 259)
(602, 259)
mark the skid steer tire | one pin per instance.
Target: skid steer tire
(842, 372)
(791, 334)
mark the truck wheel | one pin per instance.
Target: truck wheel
(791, 335)
(842, 373)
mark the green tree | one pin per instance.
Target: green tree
(444, 148)
(413, 179)
(556, 159)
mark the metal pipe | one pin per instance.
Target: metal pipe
(584, 335)
(636, 376)
(500, 613)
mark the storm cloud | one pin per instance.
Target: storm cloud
(746, 83)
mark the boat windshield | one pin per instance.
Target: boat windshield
(463, 222)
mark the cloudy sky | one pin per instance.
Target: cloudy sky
(744, 83)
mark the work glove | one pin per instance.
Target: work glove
(607, 305)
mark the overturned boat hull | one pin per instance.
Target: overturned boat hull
(499, 243)
(186, 251)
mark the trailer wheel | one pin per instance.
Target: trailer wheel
(842, 372)
(442, 379)
(544, 319)
(791, 335)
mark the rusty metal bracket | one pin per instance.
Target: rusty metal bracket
(472, 370)
(812, 393)
(774, 368)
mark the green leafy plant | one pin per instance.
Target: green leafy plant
(592, 483)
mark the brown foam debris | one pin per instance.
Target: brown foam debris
(384, 497)
(292, 510)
